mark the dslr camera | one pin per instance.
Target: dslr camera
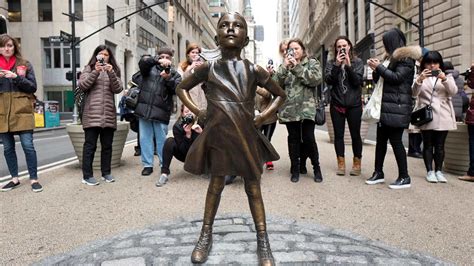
(435, 72)
(187, 119)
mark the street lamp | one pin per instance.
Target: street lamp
(419, 26)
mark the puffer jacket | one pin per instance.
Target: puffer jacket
(351, 78)
(299, 84)
(99, 108)
(397, 87)
(155, 101)
(16, 102)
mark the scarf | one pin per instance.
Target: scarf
(7, 65)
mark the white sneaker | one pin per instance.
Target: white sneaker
(162, 181)
(431, 177)
(440, 177)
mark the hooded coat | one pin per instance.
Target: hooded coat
(397, 102)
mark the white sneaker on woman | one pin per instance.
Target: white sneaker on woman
(441, 178)
(431, 177)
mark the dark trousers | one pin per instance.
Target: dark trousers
(414, 142)
(170, 149)
(301, 140)
(394, 134)
(353, 116)
(470, 130)
(433, 148)
(90, 145)
(268, 130)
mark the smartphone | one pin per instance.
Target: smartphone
(435, 72)
(372, 53)
(290, 52)
(270, 62)
(342, 51)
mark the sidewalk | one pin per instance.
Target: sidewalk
(378, 224)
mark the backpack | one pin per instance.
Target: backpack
(80, 100)
(131, 99)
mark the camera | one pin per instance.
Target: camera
(467, 74)
(100, 59)
(167, 69)
(435, 72)
(290, 52)
(187, 119)
(270, 62)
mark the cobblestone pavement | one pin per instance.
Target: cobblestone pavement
(293, 243)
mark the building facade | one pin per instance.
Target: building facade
(283, 20)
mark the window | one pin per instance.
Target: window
(147, 40)
(14, 10)
(78, 9)
(356, 21)
(58, 55)
(346, 13)
(127, 27)
(45, 10)
(110, 16)
(153, 18)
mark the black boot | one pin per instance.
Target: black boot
(294, 152)
(303, 158)
(313, 155)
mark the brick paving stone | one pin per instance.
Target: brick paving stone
(359, 249)
(158, 240)
(316, 247)
(395, 261)
(125, 262)
(293, 243)
(331, 259)
(132, 252)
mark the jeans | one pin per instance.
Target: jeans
(90, 146)
(353, 116)
(470, 130)
(148, 129)
(433, 140)
(394, 134)
(26, 139)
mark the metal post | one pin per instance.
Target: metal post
(73, 60)
(421, 29)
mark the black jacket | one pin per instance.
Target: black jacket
(352, 80)
(397, 87)
(155, 101)
(180, 139)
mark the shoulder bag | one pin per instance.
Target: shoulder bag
(423, 115)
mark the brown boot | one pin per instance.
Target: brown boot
(356, 166)
(264, 252)
(203, 246)
(341, 166)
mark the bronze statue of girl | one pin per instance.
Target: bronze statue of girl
(231, 144)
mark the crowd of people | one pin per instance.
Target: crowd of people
(411, 77)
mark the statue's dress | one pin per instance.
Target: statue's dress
(230, 144)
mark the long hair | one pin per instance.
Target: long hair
(4, 38)
(282, 47)
(345, 38)
(112, 61)
(185, 63)
(393, 39)
(300, 43)
(432, 57)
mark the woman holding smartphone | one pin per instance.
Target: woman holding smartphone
(433, 86)
(345, 75)
(186, 68)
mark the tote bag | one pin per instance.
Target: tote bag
(371, 112)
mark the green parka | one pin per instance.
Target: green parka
(299, 84)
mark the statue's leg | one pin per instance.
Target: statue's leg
(254, 194)
(204, 244)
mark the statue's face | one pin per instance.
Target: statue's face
(232, 31)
